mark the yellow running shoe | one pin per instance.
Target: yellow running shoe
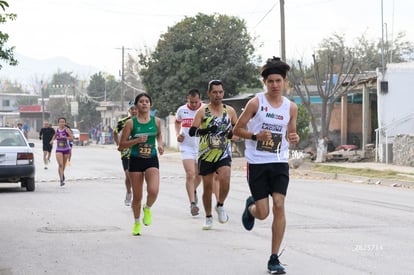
(147, 220)
(137, 229)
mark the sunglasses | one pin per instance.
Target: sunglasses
(214, 82)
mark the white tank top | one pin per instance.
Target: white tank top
(275, 120)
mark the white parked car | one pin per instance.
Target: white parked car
(76, 136)
(16, 158)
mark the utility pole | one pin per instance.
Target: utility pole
(43, 101)
(123, 75)
(122, 79)
(382, 40)
(282, 29)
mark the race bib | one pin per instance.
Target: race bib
(62, 144)
(216, 142)
(272, 146)
(144, 150)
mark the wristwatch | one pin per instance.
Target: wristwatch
(254, 137)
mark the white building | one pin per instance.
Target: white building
(395, 91)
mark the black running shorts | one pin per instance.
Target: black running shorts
(268, 178)
(125, 162)
(137, 164)
(205, 167)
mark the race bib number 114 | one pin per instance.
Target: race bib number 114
(272, 146)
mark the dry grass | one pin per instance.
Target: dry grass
(365, 172)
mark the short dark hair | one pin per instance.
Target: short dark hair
(61, 118)
(274, 66)
(194, 92)
(141, 95)
(214, 82)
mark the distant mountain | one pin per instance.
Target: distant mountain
(30, 70)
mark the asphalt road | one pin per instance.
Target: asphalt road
(333, 227)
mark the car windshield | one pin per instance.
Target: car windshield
(11, 137)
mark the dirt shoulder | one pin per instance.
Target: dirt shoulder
(359, 172)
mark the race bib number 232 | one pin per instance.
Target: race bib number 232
(144, 150)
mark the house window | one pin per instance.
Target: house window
(6, 103)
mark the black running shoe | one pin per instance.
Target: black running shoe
(274, 266)
(247, 218)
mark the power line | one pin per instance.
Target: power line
(267, 13)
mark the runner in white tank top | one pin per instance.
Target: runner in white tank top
(268, 123)
(274, 120)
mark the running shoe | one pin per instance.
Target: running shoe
(194, 209)
(45, 167)
(274, 266)
(222, 215)
(147, 220)
(137, 229)
(247, 217)
(128, 198)
(62, 183)
(208, 224)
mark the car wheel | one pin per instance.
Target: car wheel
(30, 184)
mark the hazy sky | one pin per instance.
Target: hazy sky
(91, 32)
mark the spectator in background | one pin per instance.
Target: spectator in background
(111, 135)
(26, 130)
(20, 126)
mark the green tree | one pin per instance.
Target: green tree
(96, 87)
(61, 91)
(103, 87)
(88, 115)
(6, 53)
(195, 51)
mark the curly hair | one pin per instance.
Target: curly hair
(274, 66)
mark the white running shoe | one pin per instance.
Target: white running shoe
(128, 198)
(208, 224)
(222, 215)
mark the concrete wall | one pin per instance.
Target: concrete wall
(403, 150)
